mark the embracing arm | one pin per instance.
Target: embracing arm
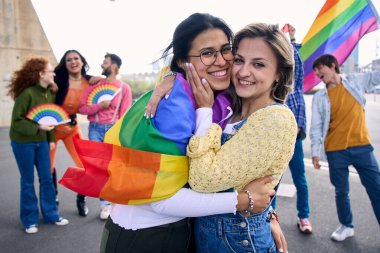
(188, 203)
(263, 146)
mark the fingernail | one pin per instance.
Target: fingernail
(145, 114)
(166, 96)
(190, 65)
(274, 176)
(280, 250)
(203, 81)
(151, 116)
(187, 64)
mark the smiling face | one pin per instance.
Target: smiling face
(74, 63)
(254, 70)
(47, 76)
(217, 74)
(327, 74)
(106, 66)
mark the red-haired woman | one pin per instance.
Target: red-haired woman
(31, 86)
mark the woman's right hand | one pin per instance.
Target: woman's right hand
(45, 127)
(203, 94)
(260, 192)
(161, 90)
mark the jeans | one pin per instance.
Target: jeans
(364, 161)
(297, 169)
(96, 132)
(27, 155)
(228, 233)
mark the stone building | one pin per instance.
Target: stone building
(21, 36)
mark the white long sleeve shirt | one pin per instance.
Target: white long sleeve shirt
(185, 203)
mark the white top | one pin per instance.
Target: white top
(185, 203)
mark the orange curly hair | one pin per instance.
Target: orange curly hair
(27, 76)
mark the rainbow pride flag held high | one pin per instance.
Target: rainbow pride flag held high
(143, 160)
(339, 26)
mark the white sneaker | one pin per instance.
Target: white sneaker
(105, 211)
(341, 233)
(61, 222)
(32, 229)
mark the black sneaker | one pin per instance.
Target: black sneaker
(82, 207)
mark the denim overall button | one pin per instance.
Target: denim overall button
(243, 224)
(245, 242)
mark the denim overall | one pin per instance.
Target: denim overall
(227, 233)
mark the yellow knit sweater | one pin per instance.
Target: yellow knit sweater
(263, 146)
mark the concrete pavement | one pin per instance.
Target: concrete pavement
(83, 234)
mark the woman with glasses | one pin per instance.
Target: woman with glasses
(264, 139)
(30, 87)
(162, 226)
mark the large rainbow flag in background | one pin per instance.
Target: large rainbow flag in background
(339, 26)
(144, 159)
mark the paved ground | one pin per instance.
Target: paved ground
(83, 234)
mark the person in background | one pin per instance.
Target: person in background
(72, 80)
(296, 103)
(338, 127)
(31, 86)
(103, 115)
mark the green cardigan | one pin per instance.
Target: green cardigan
(22, 129)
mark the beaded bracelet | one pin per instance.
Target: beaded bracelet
(250, 204)
(273, 216)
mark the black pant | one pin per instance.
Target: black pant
(173, 238)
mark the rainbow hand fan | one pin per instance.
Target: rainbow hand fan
(48, 114)
(102, 92)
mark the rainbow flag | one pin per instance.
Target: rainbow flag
(142, 160)
(339, 26)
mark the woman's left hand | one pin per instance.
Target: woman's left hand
(203, 94)
(278, 236)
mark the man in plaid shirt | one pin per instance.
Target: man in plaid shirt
(296, 103)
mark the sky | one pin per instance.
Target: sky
(139, 30)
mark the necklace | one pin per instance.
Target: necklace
(75, 79)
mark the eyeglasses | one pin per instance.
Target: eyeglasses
(208, 56)
(50, 71)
